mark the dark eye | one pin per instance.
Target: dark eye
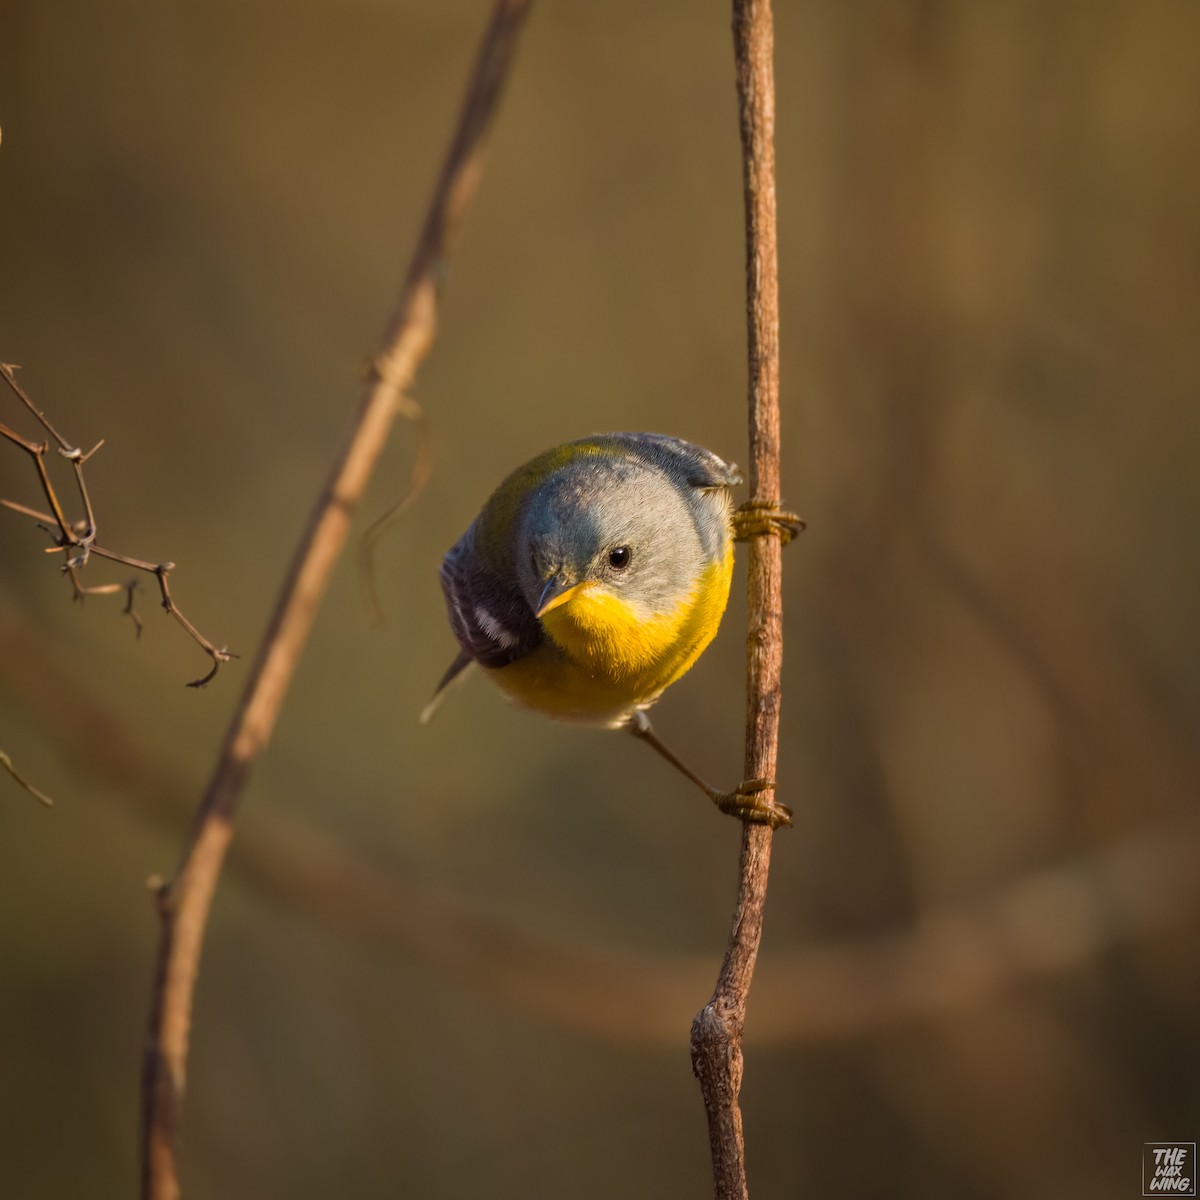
(619, 557)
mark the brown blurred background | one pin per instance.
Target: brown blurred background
(461, 961)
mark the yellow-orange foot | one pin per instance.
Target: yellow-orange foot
(762, 518)
(749, 802)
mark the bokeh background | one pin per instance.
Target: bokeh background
(462, 960)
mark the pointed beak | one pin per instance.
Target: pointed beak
(557, 591)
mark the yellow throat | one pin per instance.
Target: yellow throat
(639, 655)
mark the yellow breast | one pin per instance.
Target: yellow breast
(602, 659)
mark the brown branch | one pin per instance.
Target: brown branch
(184, 902)
(717, 1029)
(78, 539)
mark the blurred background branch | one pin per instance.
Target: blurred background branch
(1039, 925)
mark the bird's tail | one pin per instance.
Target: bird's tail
(453, 673)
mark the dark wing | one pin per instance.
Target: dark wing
(489, 615)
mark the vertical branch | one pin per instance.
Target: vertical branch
(184, 902)
(717, 1029)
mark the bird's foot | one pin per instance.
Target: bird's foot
(750, 802)
(764, 518)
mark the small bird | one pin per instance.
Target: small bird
(595, 576)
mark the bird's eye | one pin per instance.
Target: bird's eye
(619, 557)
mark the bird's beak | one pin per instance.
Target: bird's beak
(558, 590)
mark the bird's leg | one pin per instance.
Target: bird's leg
(750, 801)
(764, 518)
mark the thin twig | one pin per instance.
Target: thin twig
(78, 539)
(76, 457)
(7, 764)
(717, 1029)
(421, 473)
(184, 902)
(37, 451)
(8, 370)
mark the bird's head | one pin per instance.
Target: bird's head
(607, 545)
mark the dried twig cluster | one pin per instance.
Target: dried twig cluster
(77, 539)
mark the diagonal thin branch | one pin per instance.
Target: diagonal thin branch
(717, 1029)
(8, 371)
(184, 902)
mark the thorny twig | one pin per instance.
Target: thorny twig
(77, 539)
(185, 901)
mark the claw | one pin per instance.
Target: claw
(748, 803)
(764, 518)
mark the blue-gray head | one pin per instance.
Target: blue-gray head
(639, 516)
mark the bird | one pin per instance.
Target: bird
(595, 576)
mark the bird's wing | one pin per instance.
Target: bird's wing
(489, 615)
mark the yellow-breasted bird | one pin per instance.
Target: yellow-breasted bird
(595, 576)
